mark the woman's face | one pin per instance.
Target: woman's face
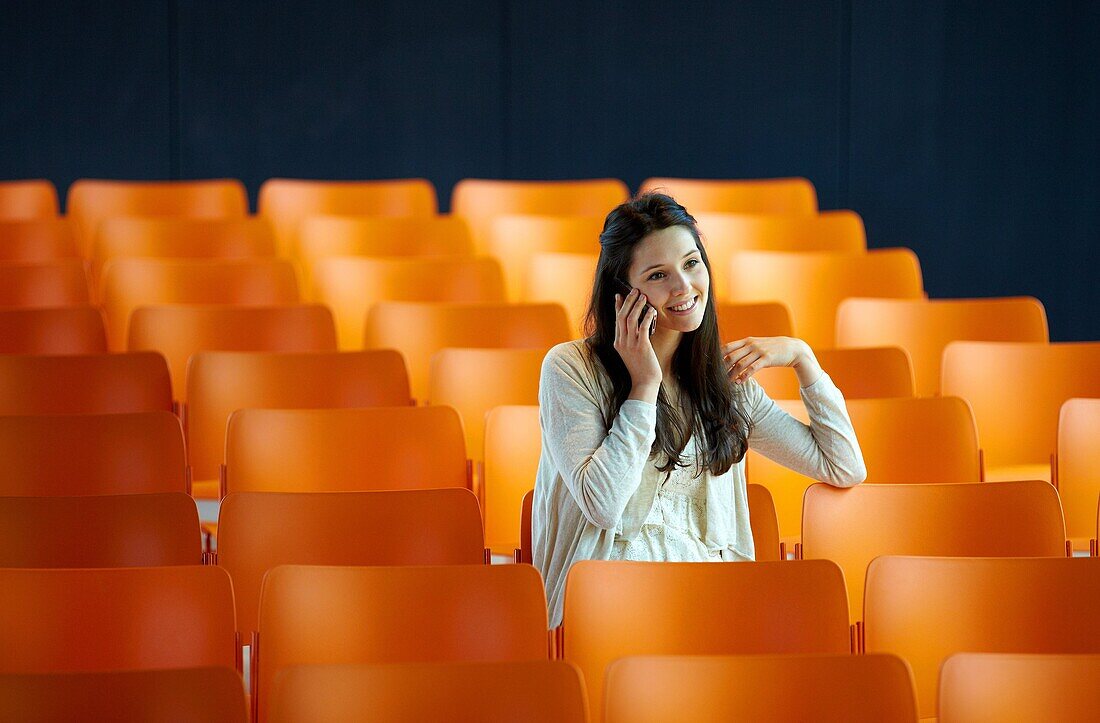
(668, 268)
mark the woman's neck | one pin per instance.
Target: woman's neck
(665, 342)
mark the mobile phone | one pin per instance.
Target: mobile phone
(626, 289)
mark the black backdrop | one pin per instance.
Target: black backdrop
(964, 130)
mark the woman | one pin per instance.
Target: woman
(646, 422)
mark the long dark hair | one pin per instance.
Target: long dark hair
(710, 408)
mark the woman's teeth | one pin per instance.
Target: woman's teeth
(684, 306)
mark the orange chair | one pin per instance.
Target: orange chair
(1002, 687)
(91, 201)
(925, 609)
(61, 282)
(812, 284)
(418, 330)
(750, 195)
(350, 285)
(535, 692)
(258, 531)
(1078, 464)
(726, 233)
(1019, 429)
(870, 373)
(514, 240)
(341, 615)
(114, 619)
(180, 330)
(27, 199)
(709, 689)
(616, 609)
(344, 450)
(923, 327)
(219, 383)
(480, 200)
(564, 279)
(765, 525)
(130, 283)
(383, 236)
(92, 454)
(61, 330)
(84, 384)
(523, 553)
(215, 695)
(101, 531)
(37, 240)
(513, 443)
(997, 519)
(738, 321)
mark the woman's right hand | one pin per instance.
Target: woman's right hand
(633, 317)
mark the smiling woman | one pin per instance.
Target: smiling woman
(644, 433)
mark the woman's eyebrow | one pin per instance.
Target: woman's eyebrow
(657, 266)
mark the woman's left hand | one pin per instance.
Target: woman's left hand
(747, 356)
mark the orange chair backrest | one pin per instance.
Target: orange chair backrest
(923, 327)
(995, 519)
(1020, 427)
(84, 383)
(215, 695)
(725, 233)
(344, 450)
(765, 524)
(91, 201)
(60, 330)
(869, 373)
(179, 331)
(220, 383)
(480, 200)
(1003, 686)
(615, 609)
(534, 692)
(40, 239)
(419, 329)
(564, 279)
(737, 321)
(258, 531)
(35, 198)
(121, 618)
(812, 284)
(513, 443)
(525, 550)
(100, 531)
(514, 240)
(710, 689)
(743, 195)
(321, 236)
(62, 282)
(1079, 467)
(925, 609)
(92, 454)
(350, 285)
(130, 283)
(340, 615)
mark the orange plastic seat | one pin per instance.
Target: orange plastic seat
(514, 240)
(812, 284)
(37, 240)
(925, 609)
(61, 282)
(114, 619)
(130, 283)
(513, 443)
(101, 531)
(866, 373)
(480, 200)
(738, 321)
(713, 689)
(616, 609)
(61, 330)
(92, 454)
(35, 198)
(345, 450)
(84, 383)
(219, 383)
(747, 195)
(1016, 391)
(258, 531)
(215, 695)
(564, 279)
(91, 201)
(179, 331)
(534, 692)
(765, 524)
(1079, 468)
(982, 687)
(350, 285)
(996, 519)
(923, 327)
(418, 330)
(381, 236)
(342, 615)
(525, 551)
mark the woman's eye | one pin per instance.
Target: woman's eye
(656, 275)
(692, 263)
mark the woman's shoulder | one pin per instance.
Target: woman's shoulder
(573, 363)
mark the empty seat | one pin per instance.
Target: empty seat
(40, 239)
(923, 327)
(514, 240)
(60, 330)
(513, 444)
(61, 282)
(524, 552)
(765, 524)
(983, 687)
(870, 373)
(84, 383)
(737, 321)
(321, 236)
(564, 279)
(100, 531)
(25, 199)
(1079, 468)
(745, 195)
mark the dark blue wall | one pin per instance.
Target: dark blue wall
(965, 130)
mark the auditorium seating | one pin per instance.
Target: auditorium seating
(84, 383)
(564, 279)
(514, 240)
(59, 282)
(27, 199)
(738, 321)
(791, 196)
(52, 330)
(36, 240)
(865, 373)
(1004, 686)
(765, 524)
(513, 444)
(381, 236)
(1079, 468)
